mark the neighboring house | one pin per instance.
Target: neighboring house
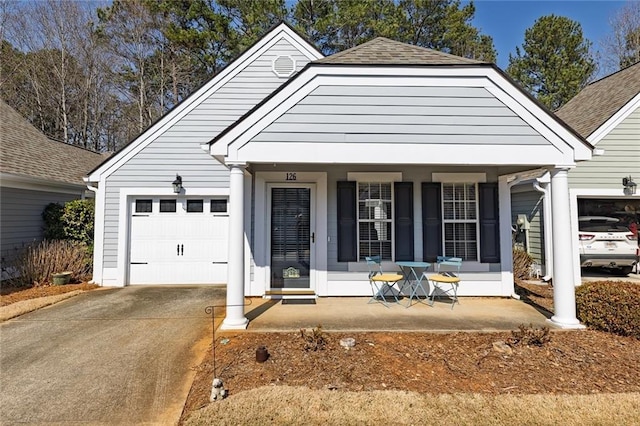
(607, 114)
(34, 171)
(294, 167)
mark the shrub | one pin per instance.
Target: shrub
(53, 226)
(73, 221)
(77, 221)
(522, 262)
(530, 335)
(314, 338)
(610, 306)
(36, 264)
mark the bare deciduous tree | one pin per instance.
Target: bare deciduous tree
(621, 46)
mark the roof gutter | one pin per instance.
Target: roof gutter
(541, 184)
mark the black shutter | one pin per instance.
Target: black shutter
(489, 223)
(431, 221)
(347, 222)
(403, 220)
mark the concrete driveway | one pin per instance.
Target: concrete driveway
(117, 356)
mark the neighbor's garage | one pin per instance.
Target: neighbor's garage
(178, 241)
(627, 210)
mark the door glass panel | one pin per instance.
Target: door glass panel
(290, 238)
(195, 206)
(167, 206)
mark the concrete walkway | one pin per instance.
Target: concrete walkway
(117, 356)
(355, 314)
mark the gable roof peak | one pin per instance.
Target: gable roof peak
(600, 100)
(385, 51)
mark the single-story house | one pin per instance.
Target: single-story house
(607, 114)
(34, 172)
(282, 173)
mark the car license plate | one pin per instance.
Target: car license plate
(610, 244)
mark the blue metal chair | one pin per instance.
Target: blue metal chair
(381, 283)
(447, 279)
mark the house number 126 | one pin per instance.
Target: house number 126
(291, 176)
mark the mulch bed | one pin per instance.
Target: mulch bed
(571, 362)
(9, 295)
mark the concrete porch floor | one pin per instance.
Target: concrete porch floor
(355, 314)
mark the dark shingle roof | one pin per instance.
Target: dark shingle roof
(383, 51)
(600, 100)
(25, 151)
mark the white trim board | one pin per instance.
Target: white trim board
(617, 118)
(9, 180)
(282, 31)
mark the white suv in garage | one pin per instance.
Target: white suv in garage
(604, 242)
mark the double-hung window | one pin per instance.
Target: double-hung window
(460, 219)
(375, 219)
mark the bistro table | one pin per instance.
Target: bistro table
(413, 273)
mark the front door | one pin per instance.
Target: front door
(292, 237)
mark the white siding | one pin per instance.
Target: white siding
(621, 158)
(390, 114)
(178, 149)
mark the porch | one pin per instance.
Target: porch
(355, 314)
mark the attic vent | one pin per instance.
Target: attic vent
(284, 66)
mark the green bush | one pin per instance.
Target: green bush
(610, 306)
(77, 220)
(36, 264)
(53, 226)
(73, 221)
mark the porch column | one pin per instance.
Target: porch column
(235, 318)
(564, 295)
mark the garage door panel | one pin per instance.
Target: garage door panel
(178, 248)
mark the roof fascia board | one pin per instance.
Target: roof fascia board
(10, 180)
(613, 121)
(476, 76)
(282, 31)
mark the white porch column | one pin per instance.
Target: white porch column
(564, 295)
(235, 318)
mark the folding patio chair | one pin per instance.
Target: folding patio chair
(447, 279)
(381, 283)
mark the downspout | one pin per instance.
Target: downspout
(541, 185)
(511, 184)
(93, 189)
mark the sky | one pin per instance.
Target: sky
(506, 21)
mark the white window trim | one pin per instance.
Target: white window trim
(459, 177)
(375, 177)
(372, 177)
(392, 220)
(474, 178)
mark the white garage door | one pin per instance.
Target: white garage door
(178, 241)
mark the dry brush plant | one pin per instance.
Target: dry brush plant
(522, 262)
(314, 338)
(35, 264)
(529, 335)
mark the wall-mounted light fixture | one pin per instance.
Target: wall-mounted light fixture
(629, 186)
(177, 184)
